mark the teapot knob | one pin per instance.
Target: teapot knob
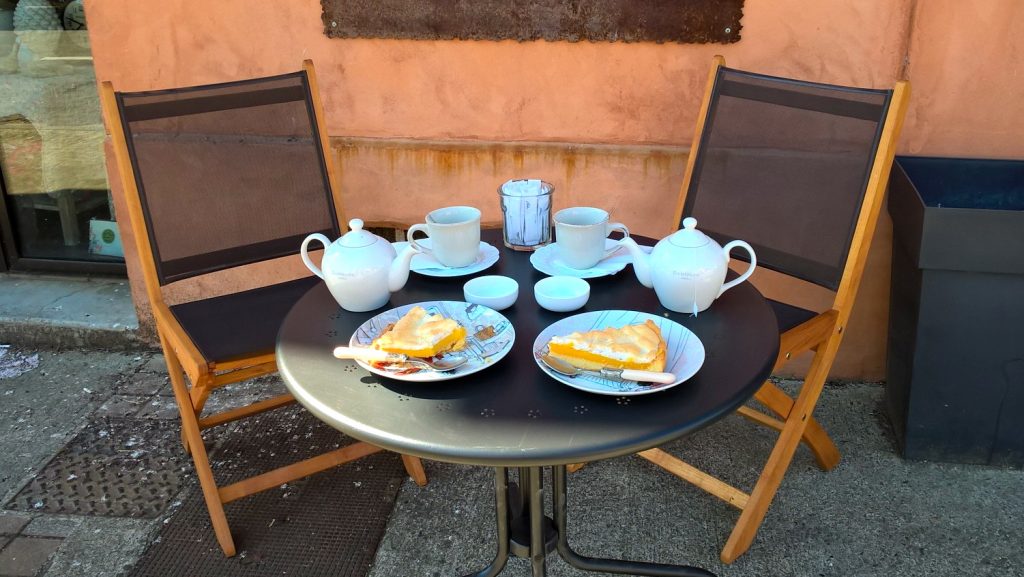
(356, 224)
(689, 223)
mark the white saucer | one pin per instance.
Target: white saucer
(426, 264)
(546, 260)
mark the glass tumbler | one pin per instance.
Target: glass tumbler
(526, 206)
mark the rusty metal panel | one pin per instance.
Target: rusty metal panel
(113, 468)
(681, 21)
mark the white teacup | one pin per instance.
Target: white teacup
(454, 233)
(580, 233)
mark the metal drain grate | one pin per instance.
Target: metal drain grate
(113, 468)
(328, 524)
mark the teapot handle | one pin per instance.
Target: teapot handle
(305, 256)
(750, 270)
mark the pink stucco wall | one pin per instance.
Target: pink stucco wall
(418, 123)
(966, 61)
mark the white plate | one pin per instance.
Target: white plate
(426, 264)
(482, 354)
(546, 260)
(684, 358)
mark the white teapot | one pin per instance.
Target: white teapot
(687, 268)
(361, 269)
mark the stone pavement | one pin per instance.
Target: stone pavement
(874, 515)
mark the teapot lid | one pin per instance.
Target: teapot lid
(357, 237)
(689, 236)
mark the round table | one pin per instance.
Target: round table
(514, 415)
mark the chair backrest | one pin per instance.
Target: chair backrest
(785, 165)
(227, 174)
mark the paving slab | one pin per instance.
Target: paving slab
(122, 406)
(26, 556)
(53, 525)
(102, 546)
(144, 383)
(11, 524)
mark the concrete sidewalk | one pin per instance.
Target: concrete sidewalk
(874, 515)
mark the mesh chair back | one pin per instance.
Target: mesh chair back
(227, 174)
(784, 165)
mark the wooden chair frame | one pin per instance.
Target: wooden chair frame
(821, 334)
(183, 356)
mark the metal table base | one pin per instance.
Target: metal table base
(524, 530)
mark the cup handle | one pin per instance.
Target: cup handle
(305, 255)
(613, 226)
(750, 270)
(421, 227)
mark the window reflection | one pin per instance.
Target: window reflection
(51, 134)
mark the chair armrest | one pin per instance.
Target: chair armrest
(195, 365)
(806, 335)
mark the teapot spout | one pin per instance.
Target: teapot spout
(641, 262)
(398, 274)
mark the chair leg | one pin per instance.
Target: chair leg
(826, 454)
(414, 467)
(782, 454)
(194, 440)
(197, 395)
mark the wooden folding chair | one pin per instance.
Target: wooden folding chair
(217, 177)
(798, 170)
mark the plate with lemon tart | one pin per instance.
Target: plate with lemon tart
(613, 340)
(435, 330)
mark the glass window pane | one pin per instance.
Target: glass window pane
(51, 135)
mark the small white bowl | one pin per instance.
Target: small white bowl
(497, 292)
(561, 293)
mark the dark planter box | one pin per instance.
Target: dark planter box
(955, 388)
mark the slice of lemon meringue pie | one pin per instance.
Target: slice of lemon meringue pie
(418, 334)
(638, 346)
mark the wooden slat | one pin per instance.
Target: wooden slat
(246, 411)
(826, 454)
(781, 456)
(688, 472)
(877, 181)
(222, 379)
(295, 471)
(691, 158)
(194, 439)
(325, 144)
(245, 362)
(805, 336)
(178, 340)
(757, 417)
(188, 354)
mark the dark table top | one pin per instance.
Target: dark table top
(512, 414)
